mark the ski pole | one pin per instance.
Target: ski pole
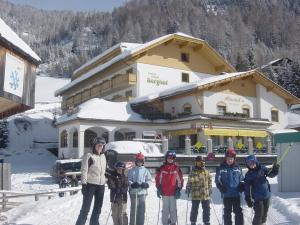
(135, 208)
(110, 209)
(286, 151)
(158, 211)
(187, 209)
(213, 206)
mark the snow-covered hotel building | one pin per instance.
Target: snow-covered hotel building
(176, 86)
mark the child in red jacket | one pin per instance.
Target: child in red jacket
(169, 182)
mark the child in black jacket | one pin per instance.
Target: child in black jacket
(118, 185)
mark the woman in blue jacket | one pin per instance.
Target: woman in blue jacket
(257, 188)
(228, 180)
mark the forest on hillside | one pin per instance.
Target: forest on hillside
(248, 33)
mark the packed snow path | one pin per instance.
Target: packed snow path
(64, 211)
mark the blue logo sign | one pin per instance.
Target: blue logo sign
(14, 80)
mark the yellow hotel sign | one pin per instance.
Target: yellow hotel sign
(235, 133)
(181, 132)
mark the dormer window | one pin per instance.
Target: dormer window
(185, 77)
(187, 108)
(221, 108)
(246, 110)
(64, 139)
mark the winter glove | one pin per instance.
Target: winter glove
(83, 189)
(177, 193)
(249, 202)
(135, 185)
(158, 193)
(144, 185)
(241, 187)
(275, 168)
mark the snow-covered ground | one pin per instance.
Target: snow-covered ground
(31, 173)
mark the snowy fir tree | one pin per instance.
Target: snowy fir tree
(3, 134)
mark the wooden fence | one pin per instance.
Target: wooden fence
(7, 196)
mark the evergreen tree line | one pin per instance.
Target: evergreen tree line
(248, 33)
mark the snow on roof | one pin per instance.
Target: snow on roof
(101, 109)
(280, 131)
(119, 57)
(10, 36)
(134, 147)
(293, 120)
(184, 87)
(125, 46)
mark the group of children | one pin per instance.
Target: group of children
(169, 182)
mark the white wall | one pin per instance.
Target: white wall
(268, 100)
(163, 76)
(233, 103)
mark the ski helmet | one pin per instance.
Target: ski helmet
(250, 159)
(99, 140)
(171, 154)
(139, 157)
(120, 165)
(230, 153)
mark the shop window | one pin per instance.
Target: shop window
(75, 139)
(89, 137)
(274, 115)
(185, 57)
(185, 77)
(64, 139)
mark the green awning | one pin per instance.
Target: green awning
(287, 137)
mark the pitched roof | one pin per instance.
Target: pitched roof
(134, 51)
(9, 36)
(212, 81)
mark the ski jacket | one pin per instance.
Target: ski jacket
(118, 185)
(93, 168)
(138, 174)
(199, 183)
(229, 176)
(257, 185)
(168, 179)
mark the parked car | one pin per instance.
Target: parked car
(66, 167)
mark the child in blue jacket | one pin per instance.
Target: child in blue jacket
(257, 188)
(228, 180)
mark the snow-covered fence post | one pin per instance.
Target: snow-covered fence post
(209, 146)
(250, 146)
(269, 149)
(5, 176)
(165, 144)
(4, 200)
(187, 145)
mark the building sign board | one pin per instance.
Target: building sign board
(14, 75)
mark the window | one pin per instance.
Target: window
(89, 136)
(274, 115)
(185, 57)
(128, 94)
(246, 111)
(221, 108)
(187, 108)
(185, 77)
(75, 139)
(64, 139)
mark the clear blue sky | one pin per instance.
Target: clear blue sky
(76, 5)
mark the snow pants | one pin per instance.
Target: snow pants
(169, 210)
(119, 214)
(233, 205)
(205, 211)
(137, 209)
(96, 191)
(261, 211)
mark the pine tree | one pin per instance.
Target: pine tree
(3, 134)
